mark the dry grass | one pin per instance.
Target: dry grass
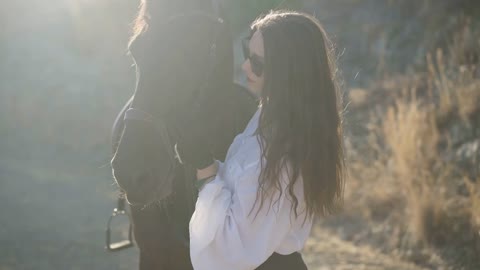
(405, 177)
(474, 206)
(411, 136)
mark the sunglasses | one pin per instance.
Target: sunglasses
(256, 62)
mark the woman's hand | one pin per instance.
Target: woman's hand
(208, 171)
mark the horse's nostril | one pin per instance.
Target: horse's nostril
(137, 196)
(134, 200)
(139, 187)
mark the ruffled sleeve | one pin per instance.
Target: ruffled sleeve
(225, 233)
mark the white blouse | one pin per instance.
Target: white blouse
(225, 233)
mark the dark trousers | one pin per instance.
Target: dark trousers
(292, 261)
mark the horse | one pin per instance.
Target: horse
(177, 75)
(161, 230)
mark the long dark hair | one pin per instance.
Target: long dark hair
(300, 121)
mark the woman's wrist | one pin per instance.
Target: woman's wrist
(208, 171)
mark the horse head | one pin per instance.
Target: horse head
(186, 59)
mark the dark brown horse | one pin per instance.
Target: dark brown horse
(177, 75)
(161, 230)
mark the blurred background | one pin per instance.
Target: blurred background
(410, 73)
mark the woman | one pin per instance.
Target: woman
(286, 167)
